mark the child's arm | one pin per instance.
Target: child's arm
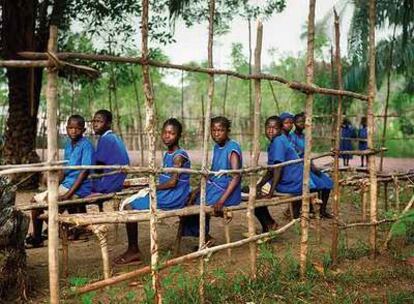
(235, 164)
(268, 176)
(172, 182)
(78, 182)
(277, 173)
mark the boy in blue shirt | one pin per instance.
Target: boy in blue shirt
(74, 183)
(110, 150)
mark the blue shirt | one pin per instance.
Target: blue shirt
(298, 142)
(281, 150)
(110, 150)
(363, 133)
(82, 153)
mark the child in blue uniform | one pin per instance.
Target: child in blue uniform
(347, 133)
(363, 144)
(110, 150)
(321, 180)
(224, 190)
(272, 129)
(74, 184)
(173, 189)
(287, 179)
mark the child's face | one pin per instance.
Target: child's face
(272, 129)
(300, 123)
(74, 129)
(288, 124)
(169, 135)
(99, 124)
(219, 133)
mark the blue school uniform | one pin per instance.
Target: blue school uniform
(216, 186)
(81, 153)
(110, 150)
(346, 144)
(322, 181)
(173, 198)
(363, 133)
(281, 150)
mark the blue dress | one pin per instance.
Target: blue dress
(217, 185)
(281, 150)
(81, 153)
(322, 181)
(346, 143)
(363, 133)
(110, 150)
(173, 198)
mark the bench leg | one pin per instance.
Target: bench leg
(65, 249)
(316, 203)
(228, 216)
(177, 244)
(364, 195)
(101, 232)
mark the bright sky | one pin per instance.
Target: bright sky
(281, 32)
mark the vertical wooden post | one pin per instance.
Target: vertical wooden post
(140, 137)
(202, 237)
(371, 99)
(386, 196)
(149, 126)
(225, 95)
(308, 141)
(364, 200)
(182, 104)
(255, 151)
(336, 192)
(53, 176)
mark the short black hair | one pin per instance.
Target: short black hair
(297, 116)
(275, 118)
(77, 118)
(175, 123)
(105, 113)
(270, 118)
(224, 121)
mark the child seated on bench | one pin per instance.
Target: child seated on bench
(322, 181)
(223, 190)
(173, 189)
(74, 183)
(110, 150)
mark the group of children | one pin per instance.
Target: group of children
(173, 189)
(348, 134)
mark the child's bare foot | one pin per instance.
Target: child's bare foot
(128, 257)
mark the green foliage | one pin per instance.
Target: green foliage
(404, 226)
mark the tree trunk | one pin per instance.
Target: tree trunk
(18, 34)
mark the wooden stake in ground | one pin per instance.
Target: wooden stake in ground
(150, 122)
(53, 176)
(371, 128)
(255, 150)
(206, 134)
(308, 140)
(336, 192)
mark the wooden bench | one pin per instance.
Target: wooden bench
(97, 222)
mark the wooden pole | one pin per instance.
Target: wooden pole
(255, 148)
(182, 104)
(140, 136)
(202, 236)
(274, 97)
(149, 126)
(336, 190)
(387, 98)
(308, 140)
(226, 85)
(53, 176)
(371, 125)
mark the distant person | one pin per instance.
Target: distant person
(173, 189)
(363, 144)
(110, 150)
(347, 135)
(222, 190)
(74, 183)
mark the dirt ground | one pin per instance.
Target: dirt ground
(85, 260)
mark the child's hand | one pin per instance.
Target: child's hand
(218, 209)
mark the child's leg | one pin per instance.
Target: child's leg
(264, 217)
(296, 209)
(362, 160)
(325, 198)
(37, 226)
